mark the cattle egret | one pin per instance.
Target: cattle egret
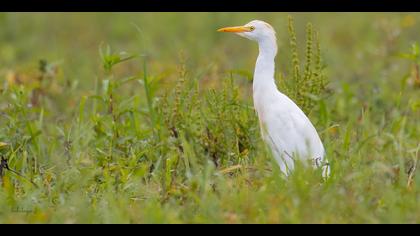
(284, 126)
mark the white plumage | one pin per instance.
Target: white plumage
(284, 126)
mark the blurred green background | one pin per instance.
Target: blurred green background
(359, 49)
(350, 41)
(63, 141)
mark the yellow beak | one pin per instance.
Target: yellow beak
(236, 29)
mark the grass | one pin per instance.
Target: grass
(159, 127)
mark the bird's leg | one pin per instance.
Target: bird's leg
(324, 165)
(320, 163)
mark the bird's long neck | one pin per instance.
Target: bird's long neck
(264, 84)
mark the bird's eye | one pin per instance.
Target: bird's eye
(252, 28)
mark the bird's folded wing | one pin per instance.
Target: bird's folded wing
(292, 133)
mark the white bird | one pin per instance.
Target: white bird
(284, 126)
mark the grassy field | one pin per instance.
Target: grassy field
(148, 118)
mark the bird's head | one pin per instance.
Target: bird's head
(255, 30)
